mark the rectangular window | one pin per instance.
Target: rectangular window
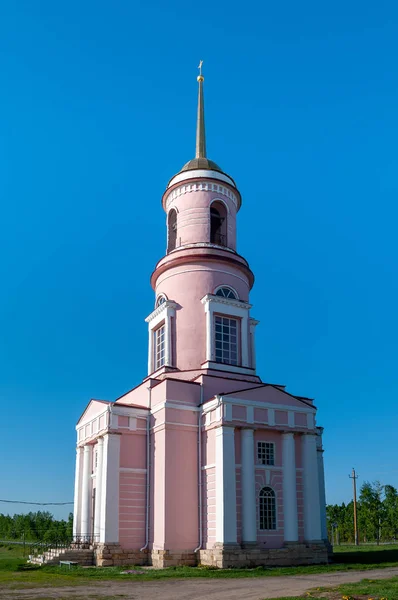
(266, 453)
(226, 342)
(159, 346)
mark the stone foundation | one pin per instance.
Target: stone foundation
(221, 556)
(173, 558)
(224, 557)
(111, 555)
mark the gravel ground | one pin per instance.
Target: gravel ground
(256, 588)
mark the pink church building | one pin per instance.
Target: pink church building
(202, 462)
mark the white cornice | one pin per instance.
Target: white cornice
(226, 301)
(158, 311)
(205, 186)
(199, 173)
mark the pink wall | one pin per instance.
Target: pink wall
(281, 417)
(300, 420)
(182, 489)
(133, 450)
(261, 415)
(193, 214)
(132, 510)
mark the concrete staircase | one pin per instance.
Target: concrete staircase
(84, 557)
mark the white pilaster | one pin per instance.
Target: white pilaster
(109, 525)
(321, 480)
(209, 332)
(249, 523)
(225, 486)
(245, 341)
(312, 514)
(150, 351)
(98, 489)
(167, 340)
(253, 323)
(289, 488)
(77, 500)
(85, 524)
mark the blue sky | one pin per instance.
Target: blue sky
(97, 108)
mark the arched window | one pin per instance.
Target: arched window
(226, 292)
(218, 224)
(160, 300)
(171, 230)
(267, 507)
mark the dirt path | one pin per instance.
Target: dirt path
(256, 588)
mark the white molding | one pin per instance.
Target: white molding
(199, 186)
(213, 466)
(167, 275)
(131, 470)
(159, 311)
(156, 425)
(239, 307)
(216, 366)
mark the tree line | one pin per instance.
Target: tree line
(36, 526)
(377, 510)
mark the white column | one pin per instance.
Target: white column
(150, 350)
(249, 523)
(225, 486)
(253, 324)
(85, 524)
(209, 332)
(167, 340)
(245, 341)
(98, 489)
(109, 525)
(77, 500)
(289, 488)
(321, 480)
(312, 514)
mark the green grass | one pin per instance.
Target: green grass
(376, 589)
(15, 573)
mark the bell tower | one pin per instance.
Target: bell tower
(201, 320)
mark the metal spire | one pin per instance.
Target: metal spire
(200, 124)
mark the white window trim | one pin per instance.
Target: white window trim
(163, 313)
(276, 508)
(231, 308)
(260, 464)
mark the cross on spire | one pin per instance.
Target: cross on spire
(200, 124)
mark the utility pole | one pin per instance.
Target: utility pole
(354, 478)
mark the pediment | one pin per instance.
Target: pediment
(93, 408)
(270, 394)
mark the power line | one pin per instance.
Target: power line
(37, 503)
